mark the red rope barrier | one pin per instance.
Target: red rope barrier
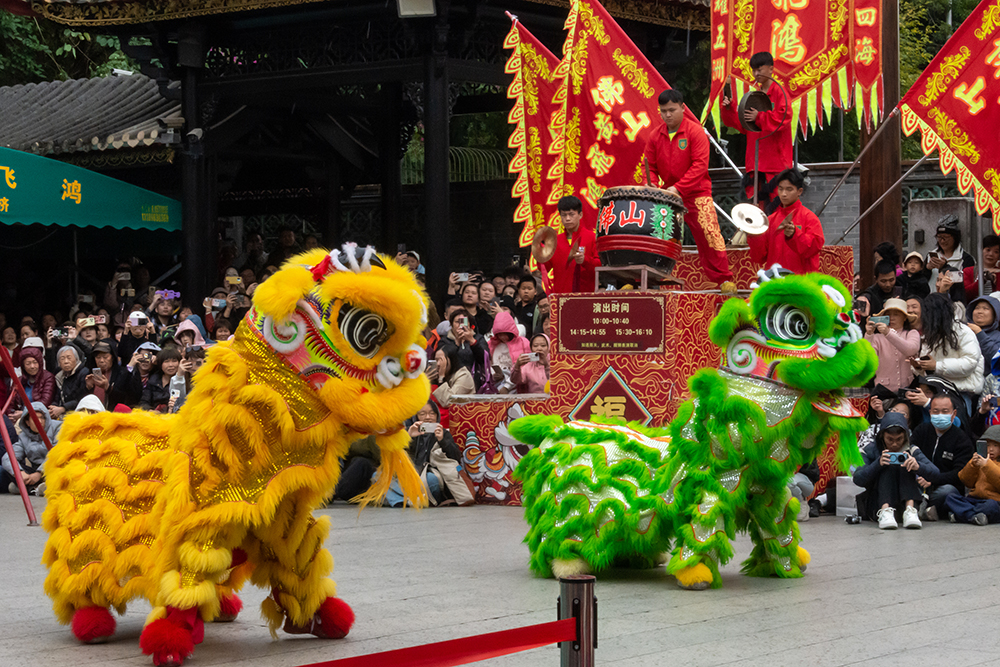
(465, 650)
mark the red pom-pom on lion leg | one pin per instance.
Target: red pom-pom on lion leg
(171, 640)
(333, 620)
(93, 625)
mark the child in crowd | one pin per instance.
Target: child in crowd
(506, 347)
(915, 278)
(531, 376)
(982, 476)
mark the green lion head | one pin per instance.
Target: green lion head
(797, 329)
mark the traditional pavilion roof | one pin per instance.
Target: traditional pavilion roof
(690, 14)
(87, 115)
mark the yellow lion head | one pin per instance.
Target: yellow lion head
(351, 324)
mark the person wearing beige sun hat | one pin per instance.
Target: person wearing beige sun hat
(895, 341)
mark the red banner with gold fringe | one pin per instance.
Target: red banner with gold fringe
(605, 108)
(533, 67)
(955, 107)
(827, 53)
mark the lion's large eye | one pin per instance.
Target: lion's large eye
(789, 322)
(364, 330)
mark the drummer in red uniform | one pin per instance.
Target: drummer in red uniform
(794, 234)
(677, 153)
(776, 149)
(573, 272)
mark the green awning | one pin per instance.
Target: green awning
(39, 190)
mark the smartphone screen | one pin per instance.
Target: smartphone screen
(981, 448)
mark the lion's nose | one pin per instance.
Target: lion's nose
(392, 370)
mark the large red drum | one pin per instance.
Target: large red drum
(640, 225)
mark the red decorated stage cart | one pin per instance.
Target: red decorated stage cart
(625, 354)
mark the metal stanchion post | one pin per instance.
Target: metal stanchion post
(576, 600)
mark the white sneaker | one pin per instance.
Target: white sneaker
(887, 519)
(910, 518)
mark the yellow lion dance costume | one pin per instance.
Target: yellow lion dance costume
(182, 509)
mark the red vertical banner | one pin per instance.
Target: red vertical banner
(533, 68)
(813, 45)
(866, 42)
(605, 108)
(955, 106)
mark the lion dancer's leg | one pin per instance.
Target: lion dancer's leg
(775, 536)
(190, 593)
(703, 529)
(295, 566)
(704, 226)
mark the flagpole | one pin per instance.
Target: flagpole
(879, 200)
(843, 179)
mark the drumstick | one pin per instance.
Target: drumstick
(646, 162)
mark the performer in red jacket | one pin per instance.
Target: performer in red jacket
(794, 234)
(776, 149)
(677, 153)
(573, 272)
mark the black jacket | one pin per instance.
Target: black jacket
(74, 387)
(155, 394)
(949, 453)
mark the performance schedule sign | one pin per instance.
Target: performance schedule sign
(612, 323)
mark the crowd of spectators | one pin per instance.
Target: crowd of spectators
(132, 345)
(932, 449)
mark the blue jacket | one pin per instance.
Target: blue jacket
(867, 475)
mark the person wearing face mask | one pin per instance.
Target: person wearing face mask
(948, 448)
(890, 475)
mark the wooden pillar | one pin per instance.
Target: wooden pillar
(331, 231)
(881, 166)
(200, 259)
(436, 249)
(389, 156)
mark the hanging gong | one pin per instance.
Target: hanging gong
(755, 99)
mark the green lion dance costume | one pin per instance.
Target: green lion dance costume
(603, 494)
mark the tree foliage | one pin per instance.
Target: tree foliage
(33, 50)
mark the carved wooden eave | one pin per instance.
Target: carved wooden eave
(685, 15)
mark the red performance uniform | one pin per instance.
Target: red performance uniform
(568, 276)
(800, 253)
(682, 161)
(775, 150)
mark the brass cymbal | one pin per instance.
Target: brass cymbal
(543, 245)
(755, 99)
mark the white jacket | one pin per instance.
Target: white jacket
(964, 366)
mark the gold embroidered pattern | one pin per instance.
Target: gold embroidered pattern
(593, 24)
(994, 177)
(534, 159)
(635, 74)
(991, 21)
(533, 67)
(743, 23)
(743, 65)
(957, 140)
(938, 82)
(578, 66)
(709, 223)
(818, 68)
(572, 149)
(838, 19)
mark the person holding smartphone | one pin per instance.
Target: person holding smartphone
(156, 393)
(531, 370)
(469, 347)
(982, 476)
(451, 378)
(895, 343)
(949, 251)
(889, 475)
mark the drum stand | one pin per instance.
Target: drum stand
(645, 277)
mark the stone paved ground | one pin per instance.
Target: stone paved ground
(929, 597)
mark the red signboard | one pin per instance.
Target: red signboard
(612, 323)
